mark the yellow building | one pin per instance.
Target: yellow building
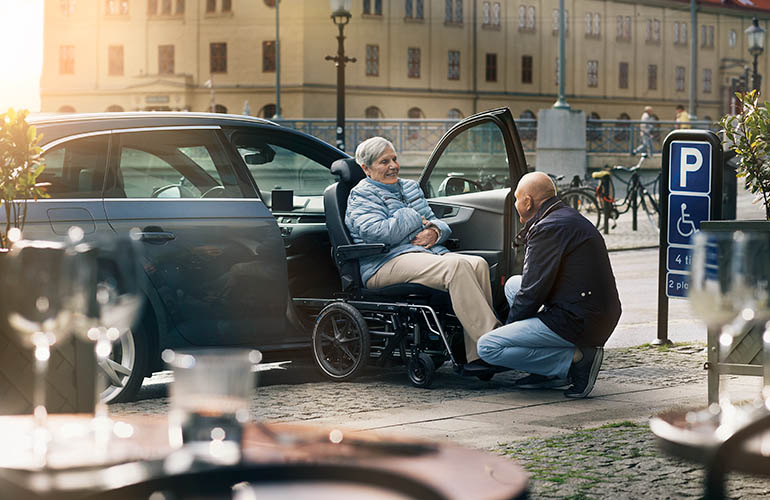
(415, 58)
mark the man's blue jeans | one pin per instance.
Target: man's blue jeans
(527, 345)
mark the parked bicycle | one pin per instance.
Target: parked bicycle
(578, 196)
(637, 195)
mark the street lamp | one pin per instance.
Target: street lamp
(341, 17)
(756, 36)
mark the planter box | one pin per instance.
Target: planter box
(745, 357)
(69, 385)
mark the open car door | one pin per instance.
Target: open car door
(469, 182)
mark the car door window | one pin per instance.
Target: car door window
(284, 174)
(75, 169)
(475, 160)
(173, 164)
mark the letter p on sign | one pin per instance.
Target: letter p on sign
(691, 160)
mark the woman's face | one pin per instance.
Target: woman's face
(385, 168)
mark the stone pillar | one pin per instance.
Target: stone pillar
(561, 142)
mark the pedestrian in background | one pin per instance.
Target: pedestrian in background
(682, 117)
(645, 132)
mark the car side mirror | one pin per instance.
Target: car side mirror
(457, 185)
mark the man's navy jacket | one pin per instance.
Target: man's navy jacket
(567, 270)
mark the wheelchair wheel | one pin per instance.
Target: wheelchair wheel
(340, 341)
(421, 370)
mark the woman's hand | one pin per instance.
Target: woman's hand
(428, 236)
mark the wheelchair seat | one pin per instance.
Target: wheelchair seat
(346, 253)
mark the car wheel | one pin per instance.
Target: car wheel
(121, 375)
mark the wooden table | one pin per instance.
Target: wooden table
(701, 437)
(278, 460)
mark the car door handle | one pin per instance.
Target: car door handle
(156, 236)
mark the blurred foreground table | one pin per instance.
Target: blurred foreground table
(704, 437)
(279, 461)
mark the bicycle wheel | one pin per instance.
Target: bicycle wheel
(650, 207)
(584, 202)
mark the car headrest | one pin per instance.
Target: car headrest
(348, 170)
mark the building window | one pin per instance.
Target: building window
(152, 8)
(531, 18)
(115, 60)
(459, 11)
(372, 60)
(117, 7)
(593, 25)
(652, 77)
(491, 71)
(67, 7)
(453, 72)
(218, 57)
(526, 18)
(526, 69)
(656, 30)
(414, 9)
(408, 8)
(413, 62)
(166, 8)
(373, 112)
(490, 14)
(377, 7)
(67, 60)
(448, 14)
(707, 37)
(485, 14)
(707, 81)
(555, 24)
(180, 7)
(420, 10)
(679, 73)
(166, 59)
(623, 28)
(455, 114)
(211, 6)
(593, 73)
(680, 33)
(496, 14)
(623, 75)
(415, 113)
(227, 5)
(268, 56)
(732, 38)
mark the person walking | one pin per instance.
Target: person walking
(682, 117)
(645, 132)
(565, 304)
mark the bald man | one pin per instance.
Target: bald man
(565, 304)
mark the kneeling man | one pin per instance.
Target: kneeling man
(565, 304)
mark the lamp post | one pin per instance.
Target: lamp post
(341, 17)
(756, 39)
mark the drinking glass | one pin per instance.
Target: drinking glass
(39, 277)
(717, 296)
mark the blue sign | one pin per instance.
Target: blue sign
(679, 259)
(690, 167)
(685, 213)
(677, 285)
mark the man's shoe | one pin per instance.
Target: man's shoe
(583, 373)
(535, 381)
(477, 366)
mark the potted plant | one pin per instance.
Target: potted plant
(21, 163)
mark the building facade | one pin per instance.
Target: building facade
(414, 58)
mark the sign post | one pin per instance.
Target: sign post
(690, 193)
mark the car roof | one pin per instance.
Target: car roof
(152, 116)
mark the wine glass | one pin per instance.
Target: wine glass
(716, 295)
(40, 278)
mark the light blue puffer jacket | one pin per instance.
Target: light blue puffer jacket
(390, 214)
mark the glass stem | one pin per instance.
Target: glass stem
(100, 407)
(766, 366)
(41, 435)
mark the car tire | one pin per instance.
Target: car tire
(126, 366)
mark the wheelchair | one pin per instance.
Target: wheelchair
(406, 324)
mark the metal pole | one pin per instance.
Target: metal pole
(341, 88)
(277, 63)
(693, 59)
(212, 97)
(561, 103)
(754, 76)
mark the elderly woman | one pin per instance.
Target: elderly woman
(385, 209)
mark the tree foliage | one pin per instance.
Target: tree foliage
(749, 134)
(21, 163)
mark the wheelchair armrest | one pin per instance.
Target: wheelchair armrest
(452, 243)
(348, 252)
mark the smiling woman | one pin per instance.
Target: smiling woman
(21, 53)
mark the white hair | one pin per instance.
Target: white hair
(368, 151)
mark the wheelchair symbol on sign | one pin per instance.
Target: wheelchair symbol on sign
(685, 222)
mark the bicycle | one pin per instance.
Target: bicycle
(578, 196)
(637, 194)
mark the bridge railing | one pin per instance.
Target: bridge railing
(422, 135)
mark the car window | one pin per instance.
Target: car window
(475, 160)
(288, 180)
(75, 169)
(173, 164)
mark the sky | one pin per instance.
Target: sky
(21, 53)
